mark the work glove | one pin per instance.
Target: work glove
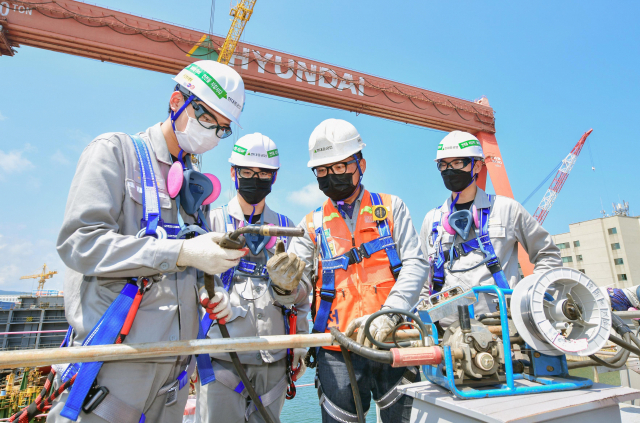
(285, 270)
(380, 328)
(204, 253)
(298, 365)
(219, 307)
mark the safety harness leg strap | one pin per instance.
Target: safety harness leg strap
(232, 381)
(334, 411)
(393, 395)
(268, 398)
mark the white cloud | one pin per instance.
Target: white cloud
(22, 257)
(308, 196)
(2, 117)
(60, 158)
(15, 160)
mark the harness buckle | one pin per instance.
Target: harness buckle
(363, 252)
(260, 270)
(494, 266)
(353, 256)
(327, 295)
(395, 270)
(172, 394)
(460, 250)
(94, 398)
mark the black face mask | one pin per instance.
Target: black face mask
(456, 180)
(337, 187)
(254, 190)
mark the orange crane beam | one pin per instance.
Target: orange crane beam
(90, 31)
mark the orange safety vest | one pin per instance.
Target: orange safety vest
(363, 287)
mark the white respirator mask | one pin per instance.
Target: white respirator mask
(196, 139)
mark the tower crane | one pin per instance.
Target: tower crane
(241, 14)
(41, 276)
(559, 180)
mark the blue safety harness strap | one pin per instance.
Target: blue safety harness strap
(150, 197)
(105, 332)
(356, 255)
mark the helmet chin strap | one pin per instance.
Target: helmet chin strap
(473, 178)
(177, 114)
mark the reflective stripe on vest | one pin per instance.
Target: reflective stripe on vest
(481, 242)
(368, 276)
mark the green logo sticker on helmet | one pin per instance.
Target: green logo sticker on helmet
(469, 143)
(272, 153)
(440, 146)
(209, 80)
(240, 150)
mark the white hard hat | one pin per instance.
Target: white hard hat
(218, 85)
(459, 144)
(333, 140)
(255, 150)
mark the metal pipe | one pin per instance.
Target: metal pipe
(113, 352)
(267, 230)
(33, 331)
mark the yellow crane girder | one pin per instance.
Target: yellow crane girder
(241, 14)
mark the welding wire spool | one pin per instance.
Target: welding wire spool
(541, 323)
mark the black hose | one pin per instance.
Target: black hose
(354, 384)
(369, 353)
(624, 344)
(621, 356)
(381, 345)
(245, 379)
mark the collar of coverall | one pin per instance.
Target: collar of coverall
(481, 201)
(235, 211)
(159, 144)
(356, 201)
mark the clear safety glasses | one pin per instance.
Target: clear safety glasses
(247, 173)
(453, 164)
(208, 120)
(338, 169)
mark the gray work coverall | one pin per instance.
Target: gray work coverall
(509, 223)
(255, 313)
(403, 295)
(97, 243)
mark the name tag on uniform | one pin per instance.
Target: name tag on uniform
(495, 221)
(497, 232)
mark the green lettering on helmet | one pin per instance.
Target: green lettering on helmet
(240, 150)
(272, 153)
(440, 147)
(209, 80)
(469, 143)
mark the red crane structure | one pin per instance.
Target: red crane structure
(86, 30)
(558, 182)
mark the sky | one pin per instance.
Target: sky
(551, 71)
